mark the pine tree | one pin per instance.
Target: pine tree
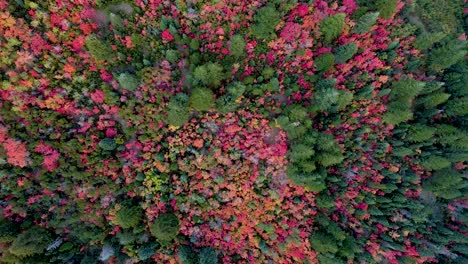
(165, 228)
(201, 99)
(32, 241)
(265, 21)
(237, 46)
(365, 22)
(107, 144)
(345, 52)
(97, 48)
(210, 74)
(445, 184)
(434, 162)
(448, 54)
(386, 8)
(128, 216)
(457, 107)
(332, 26)
(325, 62)
(426, 40)
(208, 256)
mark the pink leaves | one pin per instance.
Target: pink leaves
(97, 96)
(290, 32)
(17, 153)
(51, 156)
(167, 36)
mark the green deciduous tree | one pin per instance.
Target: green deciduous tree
(386, 8)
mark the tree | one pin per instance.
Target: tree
(32, 241)
(201, 99)
(210, 74)
(448, 54)
(445, 183)
(178, 112)
(186, 255)
(8, 230)
(128, 216)
(237, 46)
(434, 162)
(365, 22)
(265, 21)
(107, 144)
(165, 228)
(208, 256)
(128, 81)
(332, 26)
(386, 8)
(345, 52)
(97, 48)
(324, 62)
(457, 107)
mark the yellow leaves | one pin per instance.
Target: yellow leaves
(160, 166)
(173, 128)
(7, 20)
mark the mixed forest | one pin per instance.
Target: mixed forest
(233, 131)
